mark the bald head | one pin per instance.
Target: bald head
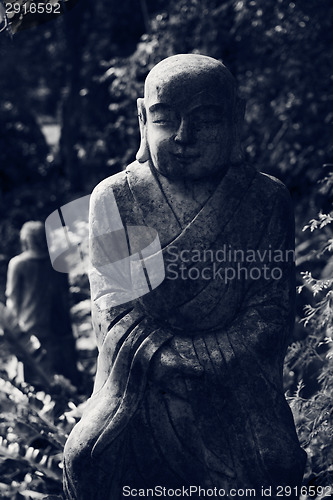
(191, 74)
(187, 117)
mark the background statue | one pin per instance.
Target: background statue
(37, 297)
(188, 388)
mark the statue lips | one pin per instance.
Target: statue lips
(185, 159)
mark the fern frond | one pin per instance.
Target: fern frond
(39, 460)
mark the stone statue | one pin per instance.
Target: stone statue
(38, 298)
(188, 391)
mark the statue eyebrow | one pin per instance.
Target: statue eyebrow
(159, 107)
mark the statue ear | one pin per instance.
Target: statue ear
(237, 155)
(143, 154)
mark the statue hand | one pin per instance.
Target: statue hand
(176, 358)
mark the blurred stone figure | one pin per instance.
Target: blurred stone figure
(38, 297)
(189, 390)
(3, 273)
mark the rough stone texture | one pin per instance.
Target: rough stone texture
(188, 388)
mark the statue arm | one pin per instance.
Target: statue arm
(261, 328)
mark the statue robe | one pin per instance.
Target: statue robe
(226, 425)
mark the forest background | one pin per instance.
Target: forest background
(68, 119)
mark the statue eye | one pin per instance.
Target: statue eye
(164, 120)
(161, 120)
(208, 116)
(164, 117)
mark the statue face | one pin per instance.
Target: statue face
(188, 125)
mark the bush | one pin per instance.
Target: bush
(309, 361)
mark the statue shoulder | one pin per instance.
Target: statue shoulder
(275, 203)
(272, 191)
(113, 198)
(19, 261)
(108, 185)
(118, 183)
(271, 183)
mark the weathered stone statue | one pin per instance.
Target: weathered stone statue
(188, 389)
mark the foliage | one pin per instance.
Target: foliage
(84, 71)
(273, 50)
(34, 427)
(309, 363)
(22, 146)
(35, 421)
(279, 52)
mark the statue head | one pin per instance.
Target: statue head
(190, 117)
(32, 236)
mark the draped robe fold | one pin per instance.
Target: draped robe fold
(226, 425)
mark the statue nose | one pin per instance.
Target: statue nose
(185, 132)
